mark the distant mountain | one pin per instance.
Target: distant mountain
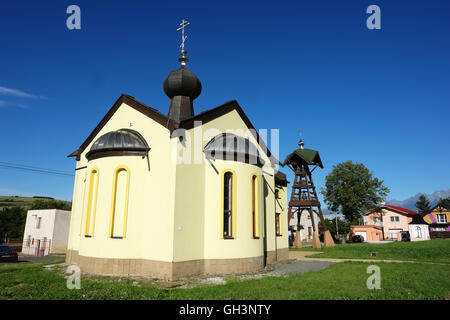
(410, 203)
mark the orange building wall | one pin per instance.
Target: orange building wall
(373, 233)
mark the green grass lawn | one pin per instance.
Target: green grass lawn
(341, 281)
(436, 250)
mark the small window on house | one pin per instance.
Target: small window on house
(277, 194)
(442, 218)
(278, 223)
(28, 241)
(395, 219)
(228, 201)
(38, 223)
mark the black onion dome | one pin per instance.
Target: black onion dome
(122, 140)
(182, 82)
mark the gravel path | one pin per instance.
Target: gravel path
(300, 266)
(47, 258)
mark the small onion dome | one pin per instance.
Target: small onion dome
(182, 82)
(228, 146)
(121, 142)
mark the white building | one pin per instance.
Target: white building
(306, 232)
(46, 231)
(419, 229)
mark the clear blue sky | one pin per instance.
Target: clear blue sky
(380, 97)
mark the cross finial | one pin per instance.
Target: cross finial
(183, 58)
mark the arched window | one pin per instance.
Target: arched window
(419, 232)
(278, 224)
(228, 205)
(255, 206)
(92, 203)
(119, 202)
(279, 199)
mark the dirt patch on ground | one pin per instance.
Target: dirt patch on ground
(284, 268)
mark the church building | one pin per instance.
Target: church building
(177, 194)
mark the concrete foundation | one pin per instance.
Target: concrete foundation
(173, 270)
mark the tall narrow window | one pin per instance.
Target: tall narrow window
(278, 223)
(255, 207)
(119, 203)
(277, 194)
(92, 203)
(228, 207)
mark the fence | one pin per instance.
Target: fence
(37, 247)
(439, 234)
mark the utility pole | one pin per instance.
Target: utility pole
(337, 228)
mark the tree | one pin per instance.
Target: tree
(12, 222)
(445, 202)
(423, 205)
(343, 227)
(352, 190)
(51, 204)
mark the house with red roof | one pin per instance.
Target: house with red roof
(386, 222)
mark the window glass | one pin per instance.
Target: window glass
(227, 204)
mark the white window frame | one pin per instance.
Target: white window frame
(441, 215)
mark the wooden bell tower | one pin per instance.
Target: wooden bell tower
(304, 195)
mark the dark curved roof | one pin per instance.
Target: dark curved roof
(280, 179)
(311, 157)
(124, 141)
(228, 146)
(417, 219)
(182, 82)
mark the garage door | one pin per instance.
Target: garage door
(362, 234)
(393, 233)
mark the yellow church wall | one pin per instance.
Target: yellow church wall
(243, 244)
(77, 207)
(269, 202)
(281, 206)
(189, 212)
(174, 210)
(151, 195)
